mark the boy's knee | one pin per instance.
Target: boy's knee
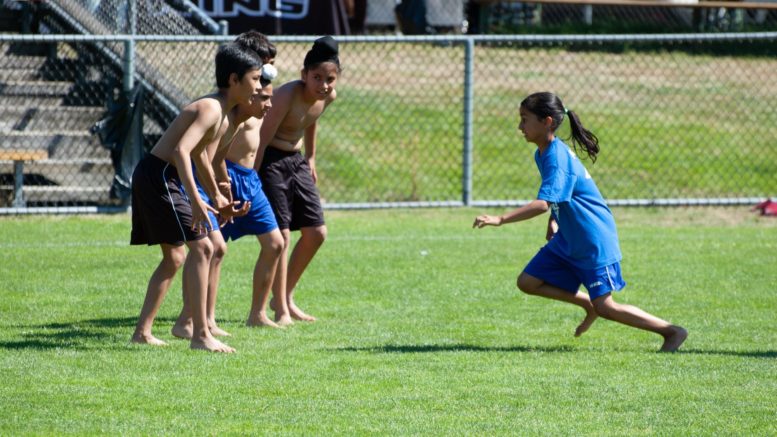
(175, 259)
(203, 247)
(219, 250)
(277, 243)
(317, 235)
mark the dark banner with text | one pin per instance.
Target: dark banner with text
(280, 17)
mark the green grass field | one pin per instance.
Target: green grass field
(421, 332)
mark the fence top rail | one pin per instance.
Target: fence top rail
(652, 3)
(598, 38)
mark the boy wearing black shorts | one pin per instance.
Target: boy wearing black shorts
(166, 206)
(288, 177)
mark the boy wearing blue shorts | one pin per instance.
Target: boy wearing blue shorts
(582, 246)
(246, 188)
(257, 43)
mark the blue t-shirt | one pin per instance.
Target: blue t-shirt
(586, 236)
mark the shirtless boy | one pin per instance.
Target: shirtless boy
(289, 178)
(260, 220)
(244, 124)
(166, 206)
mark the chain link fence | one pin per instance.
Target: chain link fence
(419, 121)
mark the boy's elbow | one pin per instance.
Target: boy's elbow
(541, 206)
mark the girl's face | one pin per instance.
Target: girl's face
(320, 81)
(534, 129)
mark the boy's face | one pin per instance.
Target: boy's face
(249, 85)
(262, 102)
(320, 81)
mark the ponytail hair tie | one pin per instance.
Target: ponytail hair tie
(566, 111)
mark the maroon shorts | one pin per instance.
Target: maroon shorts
(161, 212)
(289, 187)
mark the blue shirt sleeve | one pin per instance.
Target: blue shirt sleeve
(557, 183)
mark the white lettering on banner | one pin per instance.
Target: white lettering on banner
(286, 9)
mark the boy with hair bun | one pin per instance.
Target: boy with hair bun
(288, 177)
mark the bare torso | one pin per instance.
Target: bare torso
(183, 130)
(243, 149)
(301, 114)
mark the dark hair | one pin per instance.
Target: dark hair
(324, 49)
(547, 104)
(257, 42)
(232, 58)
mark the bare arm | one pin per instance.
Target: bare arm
(530, 210)
(208, 179)
(281, 102)
(203, 121)
(310, 149)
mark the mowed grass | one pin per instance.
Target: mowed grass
(421, 332)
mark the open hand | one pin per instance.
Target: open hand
(200, 220)
(234, 210)
(486, 220)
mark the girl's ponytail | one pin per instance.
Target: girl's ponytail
(581, 137)
(546, 104)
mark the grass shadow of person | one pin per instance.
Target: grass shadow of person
(461, 347)
(87, 334)
(748, 354)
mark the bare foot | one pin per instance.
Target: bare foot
(146, 339)
(210, 344)
(590, 317)
(284, 320)
(673, 341)
(182, 330)
(218, 332)
(298, 314)
(260, 320)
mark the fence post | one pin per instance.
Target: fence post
(466, 177)
(129, 51)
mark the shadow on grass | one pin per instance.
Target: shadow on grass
(426, 348)
(78, 335)
(751, 354)
(393, 349)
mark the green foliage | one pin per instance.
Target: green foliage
(421, 331)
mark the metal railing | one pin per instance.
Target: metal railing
(427, 120)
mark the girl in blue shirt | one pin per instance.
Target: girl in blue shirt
(582, 246)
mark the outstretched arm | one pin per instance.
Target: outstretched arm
(530, 210)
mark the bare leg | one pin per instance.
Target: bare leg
(214, 276)
(279, 304)
(195, 286)
(172, 259)
(183, 325)
(309, 242)
(674, 336)
(272, 247)
(535, 286)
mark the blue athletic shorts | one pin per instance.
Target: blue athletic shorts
(214, 221)
(246, 186)
(558, 272)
